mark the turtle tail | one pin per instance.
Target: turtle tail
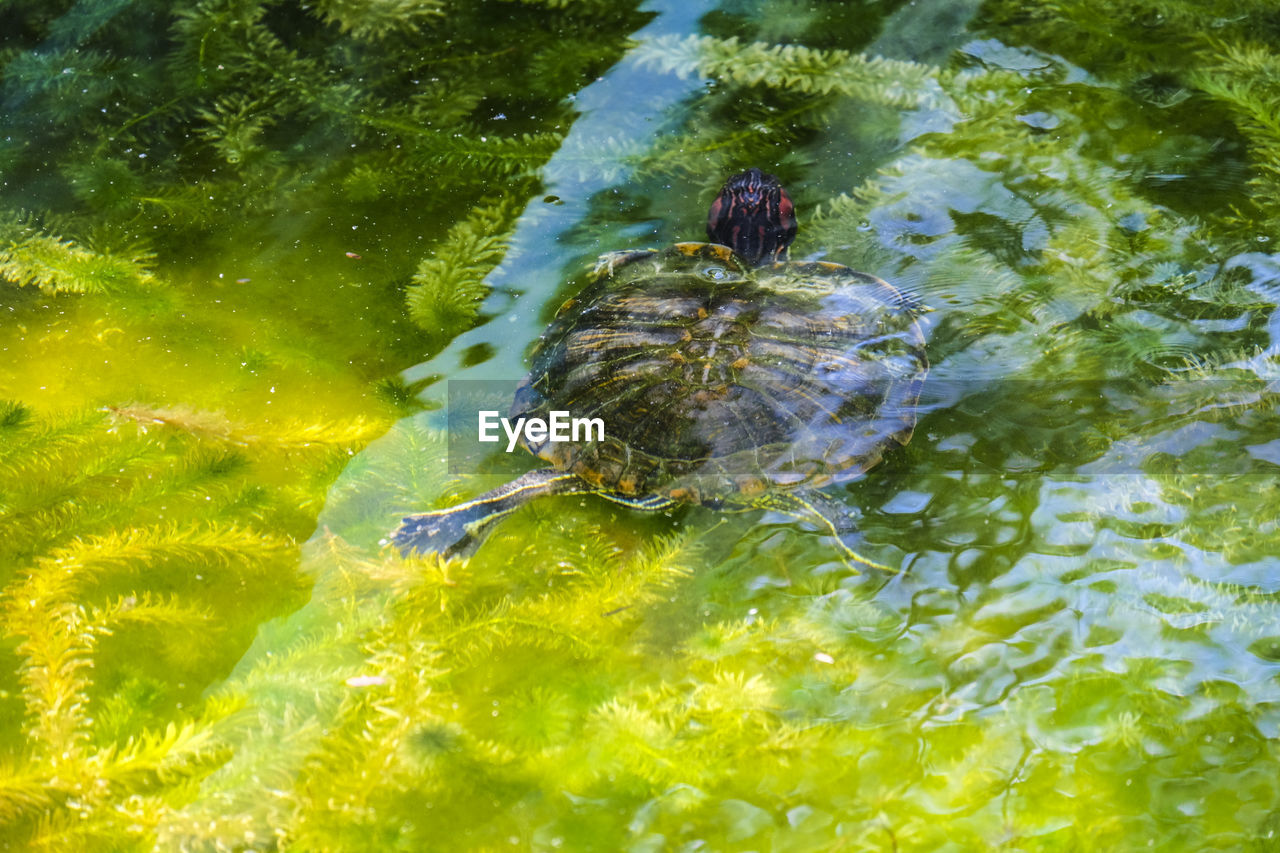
(459, 530)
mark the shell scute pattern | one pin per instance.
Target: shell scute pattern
(724, 381)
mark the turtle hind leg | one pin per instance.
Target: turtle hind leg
(459, 530)
(830, 515)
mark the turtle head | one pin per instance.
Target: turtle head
(753, 216)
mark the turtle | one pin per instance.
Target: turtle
(723, 373)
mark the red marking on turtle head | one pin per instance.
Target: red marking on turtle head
(754, 216)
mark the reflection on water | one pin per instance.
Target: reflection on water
(1076, 645)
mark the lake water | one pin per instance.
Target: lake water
(247, 248)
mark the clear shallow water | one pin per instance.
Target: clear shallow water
(1078, 646)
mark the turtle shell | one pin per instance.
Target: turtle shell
(717, 381)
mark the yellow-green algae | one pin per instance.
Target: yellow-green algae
(241, 239)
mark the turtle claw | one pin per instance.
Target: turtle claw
(443, 532)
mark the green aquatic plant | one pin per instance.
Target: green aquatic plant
(381, 18)
(80, 594)
(241, 109)
(658, 698)
(1209, 63)
(445, 293)
(426, 630)
(144, 542)
(794, 68)
(1242, 76)
(31, 256)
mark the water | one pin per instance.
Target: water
(1076, 646)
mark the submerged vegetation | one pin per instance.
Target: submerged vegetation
(227, 226)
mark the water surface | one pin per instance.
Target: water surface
(246, 247)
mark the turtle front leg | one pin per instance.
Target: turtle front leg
(830, 515)
(644, 503)
(459, 530)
